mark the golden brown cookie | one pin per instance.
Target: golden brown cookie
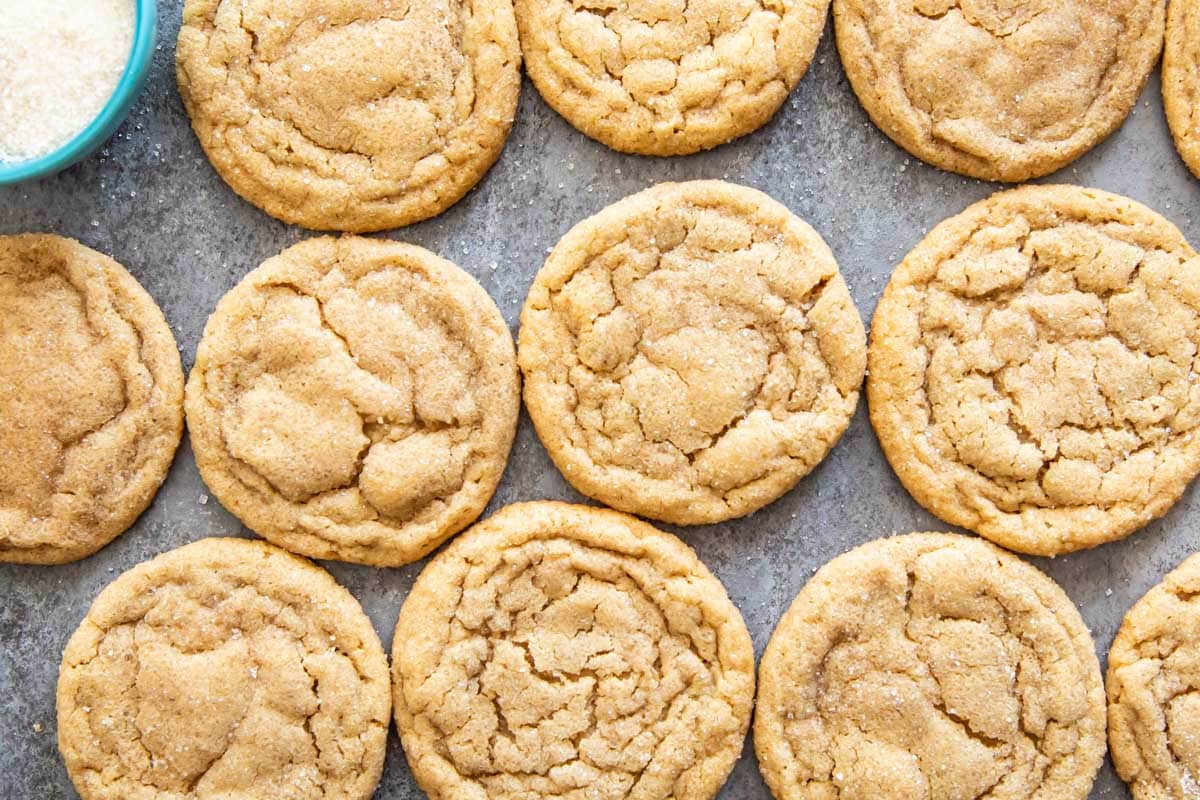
(351, 116)
(1154, 690)
(91, 399)
(690, 353)
(560, 651)
(1033, 368)
(668, 78)
(354, 399)
(228, 669)
(1001, 90)
(1181, 81)
(931, 666)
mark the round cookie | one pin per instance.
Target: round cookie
(690, 353)
(92, 395)
(930, 666)
(564, 651)
(1181, 79)
(355, 399)
(1000, 90)
(225, 668)
(667, 79)
(1154, 689)
(1033, 368)
(352, 116)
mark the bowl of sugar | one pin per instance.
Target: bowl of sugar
(70, 71)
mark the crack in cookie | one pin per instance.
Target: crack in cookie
(1154, 689)
(226, 668)
(1181, 79)
(1033, 368)
(354, 116)
(931, 666)
(690, 353)
(355, 399)
(668, 77)
(998, 89)
(92, 391)
(563, 651)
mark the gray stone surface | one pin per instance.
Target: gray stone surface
(152, 201)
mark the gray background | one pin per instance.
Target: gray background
(151, 200)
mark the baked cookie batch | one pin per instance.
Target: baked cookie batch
(688, 355)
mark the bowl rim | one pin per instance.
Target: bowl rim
(111, 115)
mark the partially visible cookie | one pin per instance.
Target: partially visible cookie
(1033, 368)
(225, 668)
(91, 399)
(667, 79)
(559, 651)
(351, 116)
(354, 399)
(690, 353)
(1154, 690)
(1000, 90)
(1181, 79)
(930, 666)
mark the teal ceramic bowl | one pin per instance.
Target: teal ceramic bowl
(114, 112)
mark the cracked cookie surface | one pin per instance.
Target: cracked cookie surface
(1154, 690)
(354, 399)
(930, 666)
(225, 668)
(352, 115)
(1033, 368)
(560, 651)
(92, 392)
(1181, 79)
(668, 78)
(690, 353)
(1001, 90)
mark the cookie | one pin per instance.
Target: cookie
(351, 116)
(560, 651)
(354, 399)
(1181, 79)
(91, 399)
(930, 666)
(1033, 368)
(666, 79)
(225, 668)
(1153, 704)
(1000, 90)
(690, 353)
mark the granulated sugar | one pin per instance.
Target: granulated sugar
(60, 61)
